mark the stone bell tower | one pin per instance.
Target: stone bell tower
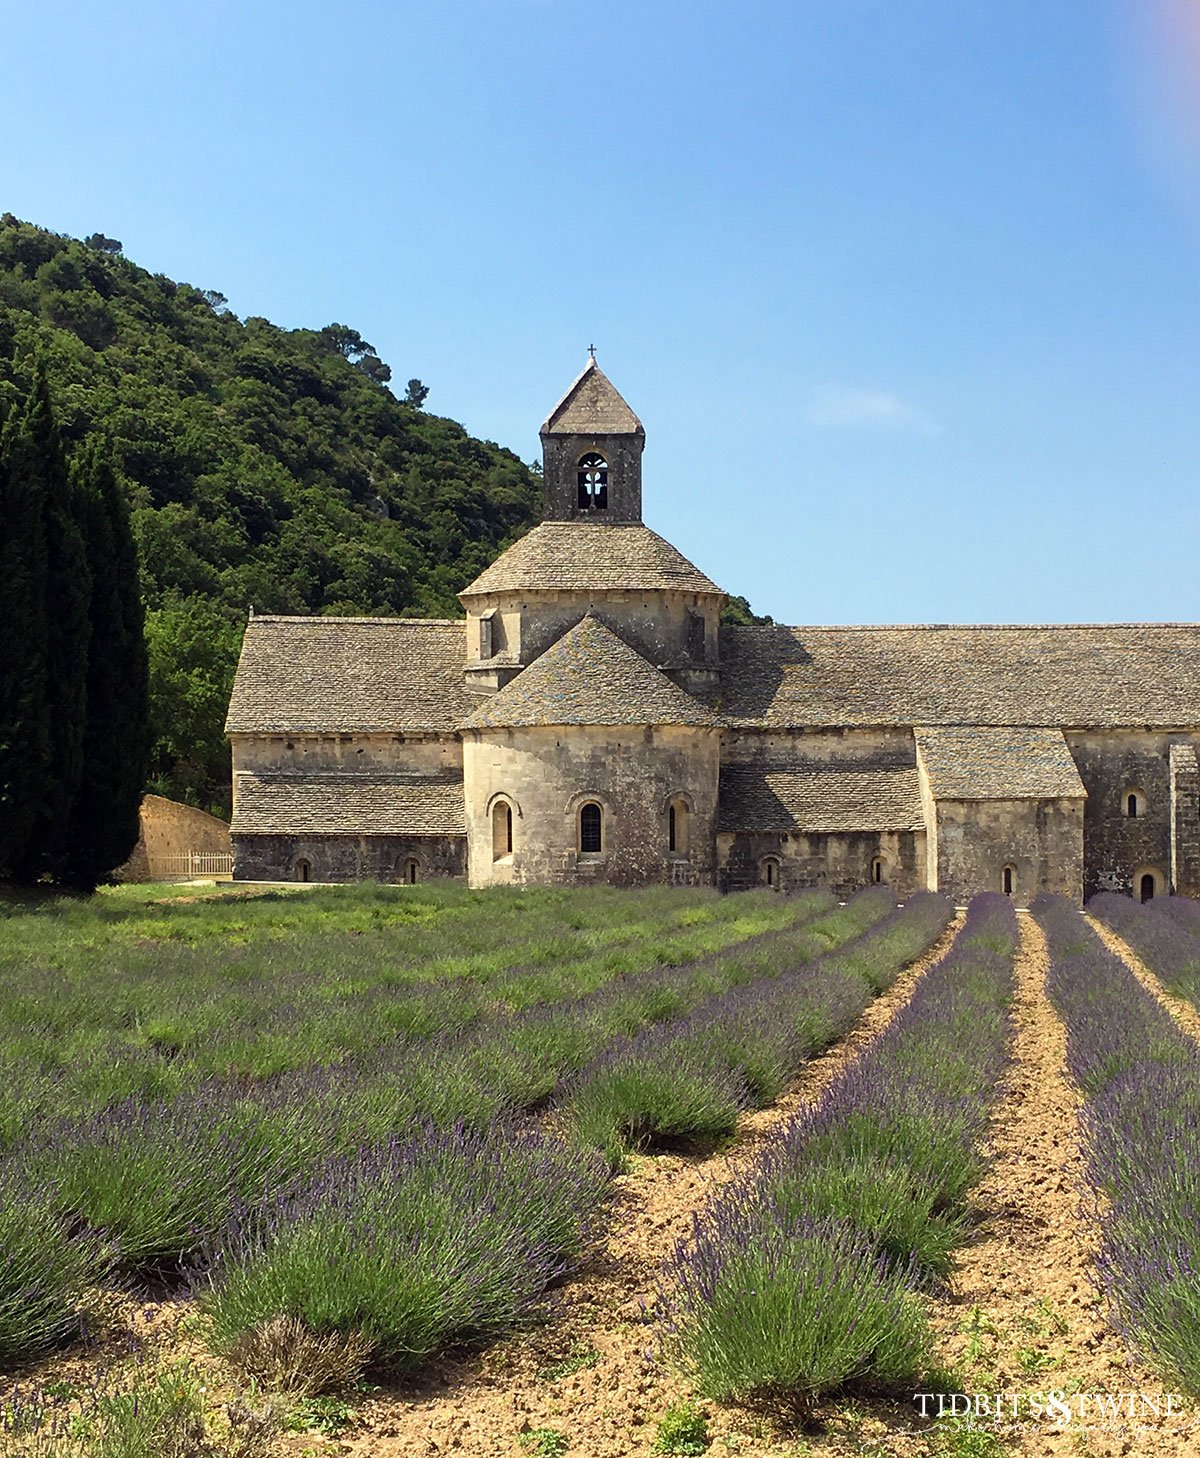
(592, 453)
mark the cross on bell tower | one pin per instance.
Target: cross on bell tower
(592, 452)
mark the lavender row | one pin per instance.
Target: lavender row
(801, 1277)
(144, 1185)
(1164, 933)
(1141, 1123)
(687, 1081)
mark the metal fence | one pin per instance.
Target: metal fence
(192, 865)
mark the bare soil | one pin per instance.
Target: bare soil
(1024, 1314)
(1183, 1012)
(482, 1405)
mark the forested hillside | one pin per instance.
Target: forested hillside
(264, 466)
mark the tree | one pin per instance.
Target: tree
(116, 741)
(375, 369)
(24, 714)
(35, 455)
(416, 394)
(345, 341)
(102, 244)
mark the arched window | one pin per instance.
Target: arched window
(1146, 887)
(302, 871)
(502, 830)
(769, 872)
(591, 823)
(677, 828)
(592, 476)
(410, 871)
(878, 871)
(1135, 803)
(1008, 880)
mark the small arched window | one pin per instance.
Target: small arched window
(1008, 880)
(769, 872)
(1135, 803)
(592, 477)
(410, 871)
(677, 828)
(591, 828)
(878, 871)
(302, 871)
(502, 830)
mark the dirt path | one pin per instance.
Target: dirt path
(1183, 1012)
(1024, 1315)
(589, 1372)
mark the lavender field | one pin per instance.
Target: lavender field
(396, 1170)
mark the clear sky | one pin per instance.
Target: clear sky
(904, 291)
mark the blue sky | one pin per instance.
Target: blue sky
(905, 291)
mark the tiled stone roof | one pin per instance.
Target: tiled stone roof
(591, 556)
(349, 675)
(998, 764)
(590, 676)
(349, 804)
(592, 406)
(1102, 675)
(818, 798)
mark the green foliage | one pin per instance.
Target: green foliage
(160, 1414)
(738, 613)
(45, 1274)
(264, 467)
(682, 1429)
(103, 827)
(545, 1442)
(798, 1313)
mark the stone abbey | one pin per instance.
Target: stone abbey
(592, 719)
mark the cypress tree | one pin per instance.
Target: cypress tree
(116, 739)
(24, 706)
(36, 458)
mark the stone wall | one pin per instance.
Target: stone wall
(1185, 821)
(843, 861)
(346, 857)
(634, 774)
(326, 753)
(168, 829)
(560, 457)
(1118, 848)
(1041, 840)
(657, 624)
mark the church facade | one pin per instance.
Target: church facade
(591, 719)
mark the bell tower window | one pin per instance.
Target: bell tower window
(592, 477)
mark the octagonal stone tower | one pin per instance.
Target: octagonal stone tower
(592, 553)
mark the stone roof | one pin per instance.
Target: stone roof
(818, 798)
(587, 556)
(1101, 675)
(349, 804)
(998, 764)
(349, 675)
(592, 406)
(589, 676)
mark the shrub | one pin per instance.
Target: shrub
(778, 1317)
(46, 1270)
(447, 1237)
(682, 1429)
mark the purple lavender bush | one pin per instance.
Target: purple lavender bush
(444, 1238)
(799, 1277)
(1141, 1123)
(688, 1080)
(1165, 937)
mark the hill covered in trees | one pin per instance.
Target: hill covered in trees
(263, 466)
